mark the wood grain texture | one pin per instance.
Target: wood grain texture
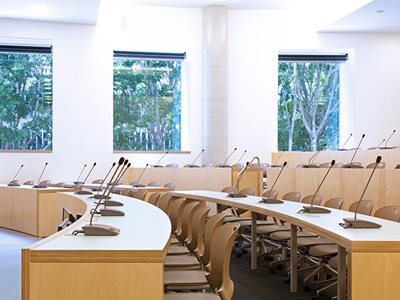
(97, 281)
(249, 179)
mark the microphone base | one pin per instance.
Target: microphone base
(111, 213)
(112, 203)
(276, 166)
(310, 166)
(224, 166)
(271, 201)
(100, 230)
(386, 148)
(397, 166)
(101, 197)
(83, 193)
(38, 186)
(13, 184)
(138, 185)
(236, 195)
(157, 166)
(358, 223)
(192, 166)
(78, 182)
(353, 166)
(315, 210)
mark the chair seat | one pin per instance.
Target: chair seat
(334, 262)
(323, 250)
(177, 250)
(285, 235)
(311, 241)
(229, 219)
(268, 229)
(181, 278)
(191, 296)
(244, 223)
(174, 240)
(180, 261)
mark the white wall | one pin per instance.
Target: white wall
(372, 82)
(83, 82)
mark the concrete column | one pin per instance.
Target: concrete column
(215, 83)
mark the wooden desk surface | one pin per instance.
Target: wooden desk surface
(126, 266)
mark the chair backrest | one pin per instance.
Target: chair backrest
(175, 211)
(185, 234)
(308, 199)
(98, 181)
(238, 166)
(390, 212)
(380, 165)
(292, 196)
(196, 244)
(325, 165)
(248, 191)
(15, 181)
(153, 199)
(221, 248)
(164, 202)
(136, 182)
(212, 224)
(172, 166)
(45, 182)
(138, 194)
(228, 189)
(271, 194)
(365, 207)
(334, 203)
(170, 185)
(154, 183)
(30, 182)
(58, 184)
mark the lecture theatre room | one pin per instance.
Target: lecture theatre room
(199, 149)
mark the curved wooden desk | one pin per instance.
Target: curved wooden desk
(126, 266)
(373, 254)
(32, 211)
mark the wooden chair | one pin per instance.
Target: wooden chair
(29, 182)
(172, 166)
(170, 185)
(380, 165)
(153, 199)
(154, 183)
(45, 183)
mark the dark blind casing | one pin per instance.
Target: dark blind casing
(313, 57)
(150, 55)
(26, 49)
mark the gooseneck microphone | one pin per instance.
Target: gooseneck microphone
(351, 165)
(138, 184)
(386, 147)
(14, 182)
(224, 165)
(358, 223)
(80, 191)
(240, 158)
(313, 209)
(192, 165)
(235, 193)
(275, 164)
(102, 182)
(80, 174)
(268, 199)
(312, 158)
(103, 196)
(157, 165)
(343, 149)
(38, 186)
(377, 146)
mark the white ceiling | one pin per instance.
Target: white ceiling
(69, 11)
(348, 15)
(366, 19)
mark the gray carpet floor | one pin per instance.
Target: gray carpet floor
(11, 243)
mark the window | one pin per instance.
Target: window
(309, 98)
(26, 97)
(147, 101)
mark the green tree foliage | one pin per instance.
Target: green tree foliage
(25, 101)
(147, 104)
(308, 107)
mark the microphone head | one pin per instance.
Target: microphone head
(46, 163)
(22, 166)
(394, 131)
(121, 161)
(125, 162)
(147, 165)
(363, 136)
(324, 145)
(351, 134)
(235, 149)
(333, 162)
(128, 165)
(202, 150)
(113, 164)
(247, 163)
(84, 166)
(245, 151)
(94, 164)
(378, 159)
(167, 152)
(285, 163)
